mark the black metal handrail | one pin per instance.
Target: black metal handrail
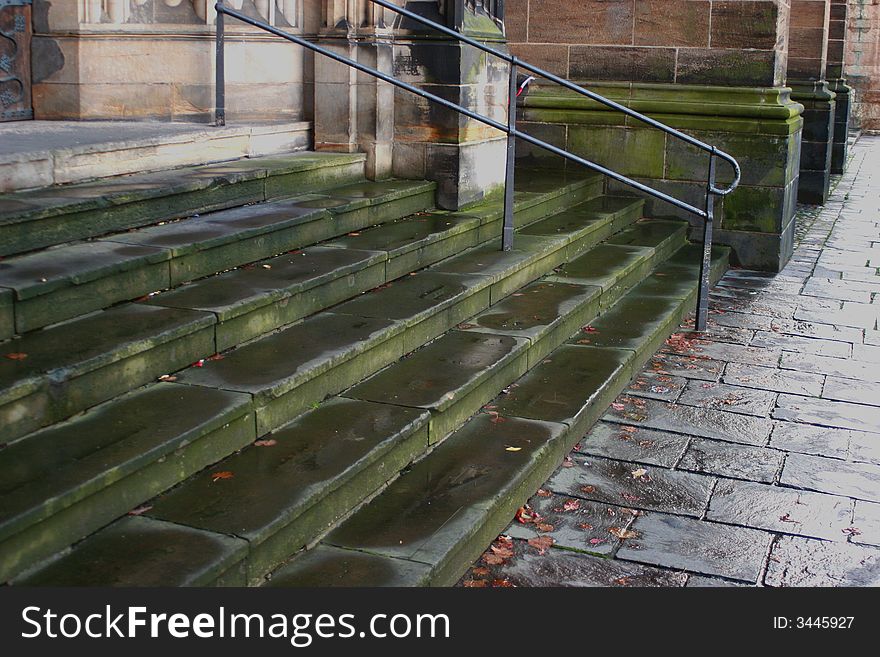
(707, 213)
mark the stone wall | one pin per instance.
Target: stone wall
(714, 69)
(863, 62)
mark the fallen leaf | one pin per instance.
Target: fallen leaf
(586, 526)
(589, 329)
(480, 571)
(638, 473)
(630, 498)
(618, 407)
(541, 543)
(513, 449)
(544, 493)
(629, 429)
(621, 533)
(503, 584)
(217, 476)
(571, 505)
(266, 443)
(544, 527)
(589, 490)
(525, 515)
(493, 559)
(16, 355)
(597, 541)
(168, 377)
(475, 583)
(568, 463)
(140, 510)
(852, 531)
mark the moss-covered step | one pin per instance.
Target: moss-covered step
(67, 281)
(56, 215)
(665, 237)
(449, 505)
(546, 313)
(613, 267)
(64, 482)
(257, 299)
(294, 369)
(530, 258)
(138, 551)
(48, 375)
(288, 488)
(453, 377)
(327, 566)
(589, 223)
(221, 240)
(572, 386)
(7, 314)
(426, 303)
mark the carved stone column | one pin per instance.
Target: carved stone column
(354, 111)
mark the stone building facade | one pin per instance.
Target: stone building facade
(766, 80)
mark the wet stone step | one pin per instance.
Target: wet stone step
(703, 422)
(289, 371)
(665, 237)
(144, 552)
(7, 315)
(638, 486)
(779, 509)
(416, 241)
(64, 282)
(574, 524)
(697, 546)
(295, 482)
(65, 481)
(57, 215)
(427, 304)
(326, 566)
(679, 275)
(544, 312)
(256, 299)
(614, 268)
(530, 258)
(529, 567)
(443, 510)
(51, 374)
(453, 377)
(573, 386)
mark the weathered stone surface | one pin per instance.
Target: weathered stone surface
(633, 444)
(613, 482)
(781, 509)
(818, 346)
(697, 546)
(608, 266)
(858, 480)
(564, 568)
(729, 460)
(699, 581)
(810, 439)
(146, 552)
(866, 523)
(330, 566)
(738, 353)
(440, 508)
(574, 524)
(847, 390)
(771, 378)
(725, 397)
(703, 422)
(663, 236)
(827, 413)
(656, 386)
(805, 562)
(688, 367)
(636, 322)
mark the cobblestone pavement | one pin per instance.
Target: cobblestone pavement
(748, 455)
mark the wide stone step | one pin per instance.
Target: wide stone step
(47, 376)
(56, 215)
(63, 282)
(431, 523)
(71, 479)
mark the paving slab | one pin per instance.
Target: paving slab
(857, 480)
(697, 546)
(810, 439)
(689, 367)
(782, 510)
(629, 443)
(714, 457)
(866, 524)
(636, 485)
(843, 415)
(847, 390)
(796, 343)
(838, 367)
(807, 562)
(771, 378)
(651, 385)
(722, 396)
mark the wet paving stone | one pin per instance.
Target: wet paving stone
(805, 562)
(752, 305)
(700, 581)
(845, 390)
(528, 567)
(866, 352)
(809, 439)
(687, 367)
(637, 486)
(703, 422)
(728, 460)
(697, 546)
(771, 378)
(839, 291)
(780, 509)
(866, 524)
(730, 334)
(730, 398)
(629, 443)
(656, 386)
(727, 352)
(864, 447)
(574, 524)
(839, 367)
(818, 346)
(333, 567)
(827, 413)
(858, 480)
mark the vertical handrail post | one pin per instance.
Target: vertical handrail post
(706, 264)
(507, 235)
(220, 69)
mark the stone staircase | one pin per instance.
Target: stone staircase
(209, 369)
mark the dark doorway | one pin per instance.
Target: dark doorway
(15, 60)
